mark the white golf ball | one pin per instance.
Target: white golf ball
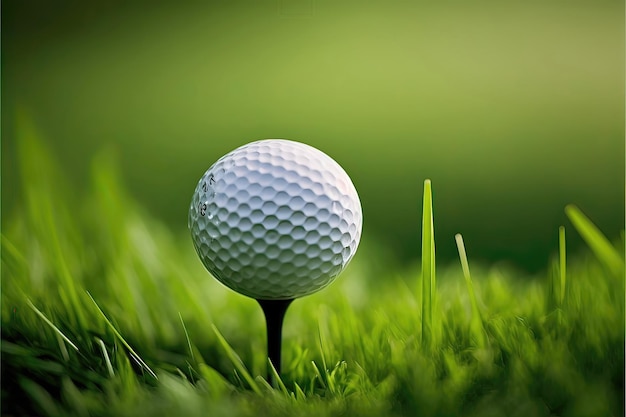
(275, 219)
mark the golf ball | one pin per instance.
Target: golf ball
(275, 219)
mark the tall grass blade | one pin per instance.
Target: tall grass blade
(187, 337)
(318, 374)
(264, 384)
(300, 395)
(562, 266)
(117, 334)
(236, 361)
(598, 243)
(322, 343)
(105, 355)
(277, 379)
(428, 265)
(476, 323)
(49, 323)
(62, 347)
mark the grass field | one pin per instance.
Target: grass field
(106, 312)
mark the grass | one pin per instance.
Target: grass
(106, 312)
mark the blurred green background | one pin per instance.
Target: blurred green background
(513, 109)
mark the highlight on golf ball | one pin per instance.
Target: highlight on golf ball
(275, 219)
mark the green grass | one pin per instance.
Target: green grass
(106, 312)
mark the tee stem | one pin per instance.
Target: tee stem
(274, 311)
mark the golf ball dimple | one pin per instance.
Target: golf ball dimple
(275, 219)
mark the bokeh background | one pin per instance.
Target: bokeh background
(513, 109)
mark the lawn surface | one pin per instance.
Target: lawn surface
(106, 312)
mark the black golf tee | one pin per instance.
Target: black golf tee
(274, 311)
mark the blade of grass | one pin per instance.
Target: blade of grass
(428, 265)
(264, 384)
(49, 323)
(276, 378)
(598, 243)
(107, 360)
(300, 395)
(117, 334)
(63, 348)
(476, 323)
(562, 266)
(318, 374)
(321, 340)
(236, 361)
(187, 336)
(182, 375)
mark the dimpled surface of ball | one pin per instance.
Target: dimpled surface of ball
(275, 219)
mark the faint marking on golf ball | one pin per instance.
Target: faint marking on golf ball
(275, 219)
